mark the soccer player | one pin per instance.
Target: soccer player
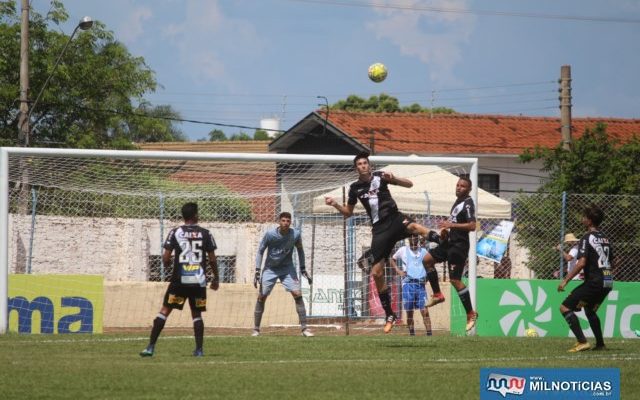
(456, 249)
(279, 244)
(388, 224)
(414, 294)
(194, 247)
(594, 257)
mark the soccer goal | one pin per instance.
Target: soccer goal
(81, 234)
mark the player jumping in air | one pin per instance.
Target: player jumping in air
(456, 249)
(388, 224)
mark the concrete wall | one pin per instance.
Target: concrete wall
(135, 305)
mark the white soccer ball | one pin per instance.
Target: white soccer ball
(531, 332)
(377, 72)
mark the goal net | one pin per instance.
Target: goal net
(82, 232)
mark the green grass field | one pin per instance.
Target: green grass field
(284, 367)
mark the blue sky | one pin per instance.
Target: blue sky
(238, 61)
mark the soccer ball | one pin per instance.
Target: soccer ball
(377, 72)
(531, 332)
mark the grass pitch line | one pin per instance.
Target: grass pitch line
(617, 357)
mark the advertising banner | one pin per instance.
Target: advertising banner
(510, 307)
(493, 245)
(55, 303)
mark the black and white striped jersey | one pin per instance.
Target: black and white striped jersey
(374, 196)
(463, 211)
(191, 244)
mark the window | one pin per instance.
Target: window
(226, 269)
(155, 270)
(488, 182)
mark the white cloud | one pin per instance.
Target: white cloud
(133, 26)
(435, 38)
(206, 37)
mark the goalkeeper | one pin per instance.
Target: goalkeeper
(279, 244)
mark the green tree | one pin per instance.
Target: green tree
(217, 135)
(382, 103)
(93, 96)
(260, 134)
(240, 136)
(155, 124)
(597, 165)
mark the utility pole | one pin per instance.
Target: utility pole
(565, 106)
(23, 121)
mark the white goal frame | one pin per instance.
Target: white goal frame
(6, 152)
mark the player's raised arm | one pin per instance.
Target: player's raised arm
(394, 180)
(346, 210)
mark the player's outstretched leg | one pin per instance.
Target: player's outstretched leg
(432, 276)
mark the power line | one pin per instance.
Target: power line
(576, 18)
(463, 105)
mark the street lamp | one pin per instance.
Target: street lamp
(84, 24)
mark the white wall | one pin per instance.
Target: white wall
(514, 175)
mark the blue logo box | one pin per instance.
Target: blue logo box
(549, 383)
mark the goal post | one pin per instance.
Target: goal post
(105, 211)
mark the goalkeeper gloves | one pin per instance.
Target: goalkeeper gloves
(306, 275)
(256, 279)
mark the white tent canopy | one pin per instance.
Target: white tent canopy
(433, 193)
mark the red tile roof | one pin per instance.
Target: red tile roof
(465, 133)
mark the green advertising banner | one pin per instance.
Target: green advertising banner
(509, 307)
(55, 303)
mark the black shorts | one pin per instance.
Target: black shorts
(588, 295)
(386, 233)
(456, 256)
(178, 293)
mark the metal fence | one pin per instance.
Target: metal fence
(542, 222)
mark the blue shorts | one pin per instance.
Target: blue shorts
(288, 277)
(414, 295)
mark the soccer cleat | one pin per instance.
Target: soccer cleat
(256, 332)
(391, 319)
(307, 333)
(198, 353)
(435, 299)
(148, 352)
(429, 333)
(580, 347)
(472, 317)
(599, 347)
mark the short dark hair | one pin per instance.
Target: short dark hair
(189, 211)
(284, 214)
(362, 154)
(467, 179)
(594, 213)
